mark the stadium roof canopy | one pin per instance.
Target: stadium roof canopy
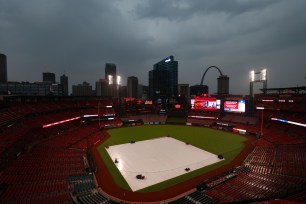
(288, 90)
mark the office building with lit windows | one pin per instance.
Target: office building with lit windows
(163, 79)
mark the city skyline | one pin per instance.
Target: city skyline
(79, 38)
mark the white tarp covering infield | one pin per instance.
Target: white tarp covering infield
(158, 160)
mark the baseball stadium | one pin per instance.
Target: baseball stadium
(97, 150)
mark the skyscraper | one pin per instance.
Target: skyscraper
(3, 68)
(110, 69)
(64, 82)
(132, 86)
(163, 79)
(223, 84)
(111, 76)
(48, 77)
(159, 84)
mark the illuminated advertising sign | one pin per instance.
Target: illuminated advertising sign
(148, 102)
(234, 106)
(203, 103)
(177, 106)
(162, 111)
(218, 102)
(168, 59)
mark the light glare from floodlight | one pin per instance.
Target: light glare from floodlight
(118, 80)
(263, 74)
(110, 79)
(252, 76)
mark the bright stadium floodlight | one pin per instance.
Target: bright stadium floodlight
(110, 79)
(263, 75)
(252, 76)
(118, 80)
(258, 77)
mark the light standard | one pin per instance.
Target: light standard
(119, 95)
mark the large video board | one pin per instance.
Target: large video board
(234, 106)
(204, 103)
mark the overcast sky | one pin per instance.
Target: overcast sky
(77, 37)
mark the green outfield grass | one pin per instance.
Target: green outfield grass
(214, 141)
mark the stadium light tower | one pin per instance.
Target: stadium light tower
(118, 83)
(110, 79)
(118, 80)
(256, 77)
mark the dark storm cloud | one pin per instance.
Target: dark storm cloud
(68, 35)
(240, 37)
(231, 19)
(182, 9)
(78, 37)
